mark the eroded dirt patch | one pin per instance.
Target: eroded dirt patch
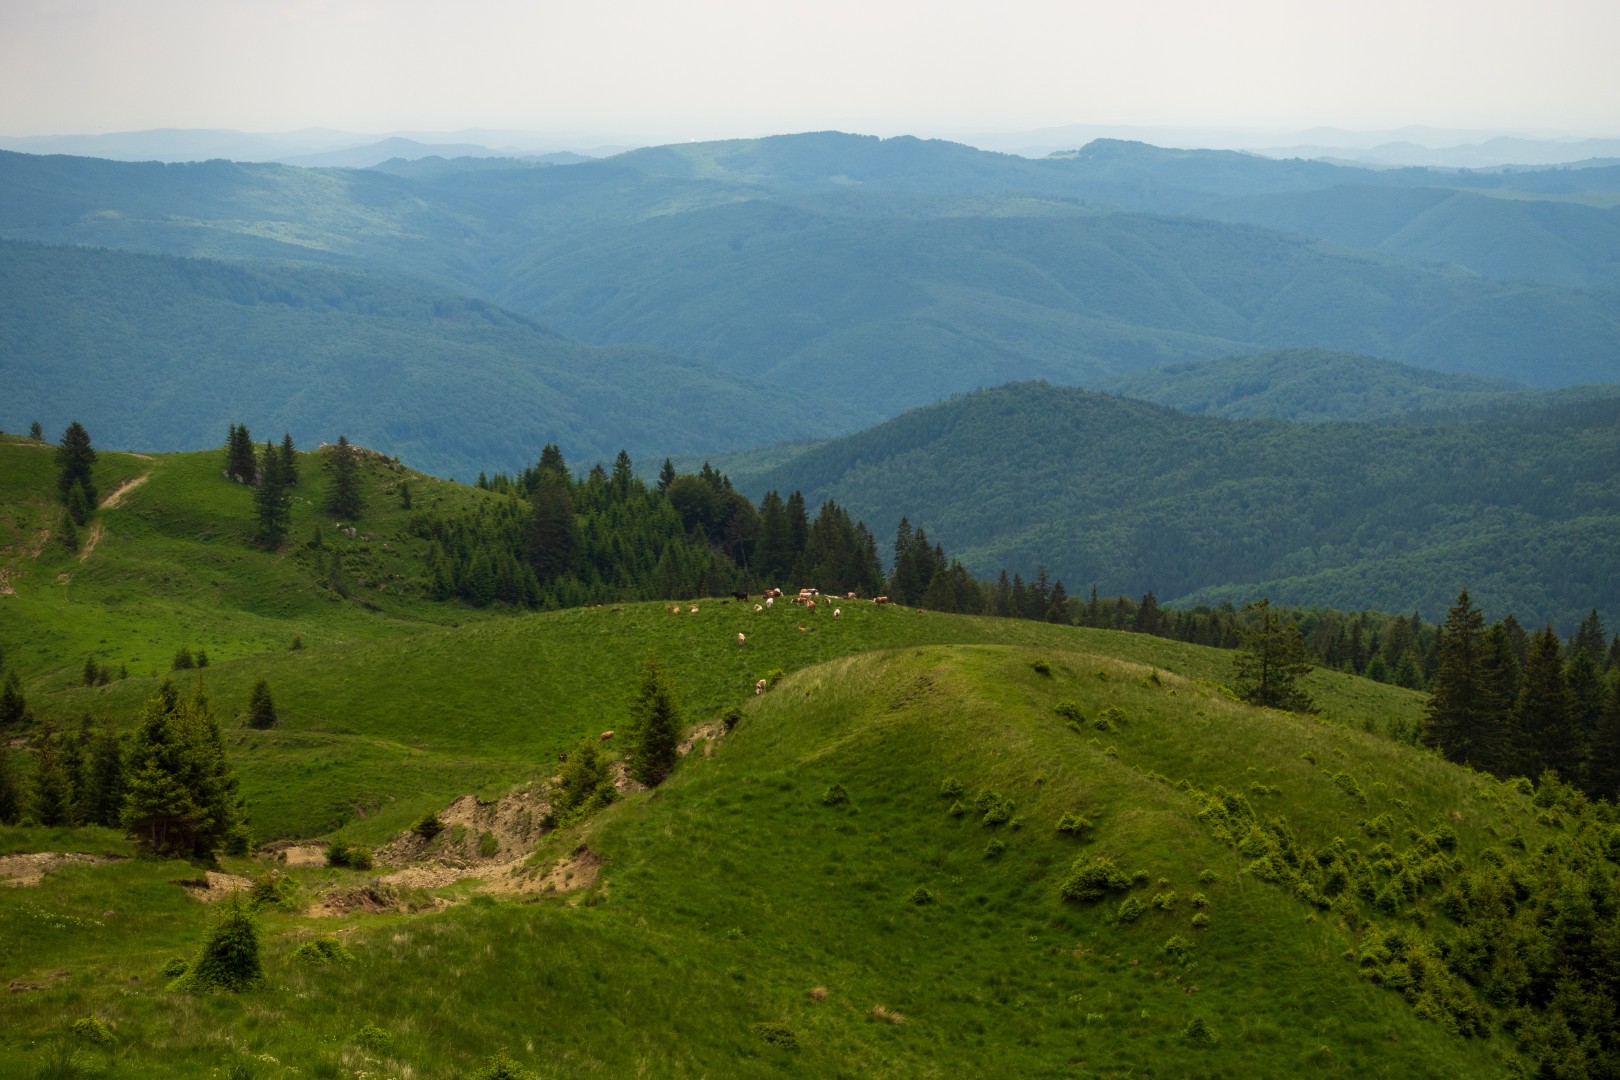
(298, 854)
(116, 495)
(31, 868)
(476, 833)
(580, 870)
(214, 885)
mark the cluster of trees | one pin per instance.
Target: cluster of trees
(169, 783)
(1519, 705)
(273, 472)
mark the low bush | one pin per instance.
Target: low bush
(374, 1039)
(323, 950)
(1041, 666)
(921, 895)
(1091, 878)
(500, 1067)
(230, 958)
(1131, 909)
(428, 826)
(1073, 823)
(835, 795)
(951, 788)
(488, 846)
(994, 848)
(92, 1029)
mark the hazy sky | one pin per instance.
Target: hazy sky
(704, 68)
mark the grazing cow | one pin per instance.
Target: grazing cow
(563, 756)
(809, 605)
(740, 596)
(838, 612)
(741, 639)
(849, 596)
(758, 609)
(694, 609)
(801, 628)
(605, 736)
(676, 610)
(769, 600)
(880, 600)
(759, 688)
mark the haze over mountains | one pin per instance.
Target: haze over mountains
(702, 298)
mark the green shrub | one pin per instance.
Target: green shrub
(1198, 900)
(1131, 909)
(270, 890)
(488, 846)
(323, 950)
(1347, 783)
(174, 967)
(585, 784)
(951, 788)
(230, 958)
(998, 812)
(1109, 719)
(957, 809)
(835, 795)
(779, 1035)
(1208, 877)
(775, 676)
(374, 1039)
(428, 826)
(1073, 823)
(500, 1067)
(1166, 901)
(1091, 878)
(1177, 948)
(1198, 1033)
(731, 717)
(921, 895)
(93, 1030)
(1041, 666)
(1069, 709)
(1200, 920)
(994, 848)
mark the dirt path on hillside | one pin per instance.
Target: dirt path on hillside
(116, 496)
(30, 868)
(90, 541)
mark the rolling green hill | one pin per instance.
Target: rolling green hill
(164, 353)
(880, 865)
(1131, 496)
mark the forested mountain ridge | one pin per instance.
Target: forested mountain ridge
(161, 352)
(1519, 507)
(893, 272)
(1310, 385)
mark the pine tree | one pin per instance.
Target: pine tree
(36, 432)
(74, 459)
(1148, 617)
(655, 727)
(1603, 768)
(272, 502)
(13, 705)
(1058, 610)
(66, 534)
(1543, 713)
(1455, 696)
(103, 796)
(554, 537)
(53, 786)
(78, 504)
(261, 707)
(241, 465)
(343, 497)
(666, 476)
(12, 797)
(1271, 662)
(180, 796)
(289, 461)
(1498, 746)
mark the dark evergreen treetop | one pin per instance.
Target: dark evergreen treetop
(1456, 697)
(1272, 660)
(74, 458)
(343, 498)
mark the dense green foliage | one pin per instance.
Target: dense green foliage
(1517, 505)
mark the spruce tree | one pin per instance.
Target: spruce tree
(12, 797)
(289, 461)
(103, 795)
(343, 497)
(36, 432)
(666, 476)
(1589, 638)
(655, 726)
(13, 705)
(180, 795)
(272, 502)
(241, 465)
(78, 504)
(1057, 611)
(261, 707)
(74, 459)
(1498, 746)
(1603, 767)
(553, 541)
(1268, 667)
(1543, 712)
(53, 801)
(1455, 695)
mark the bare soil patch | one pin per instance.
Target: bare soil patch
(116, 496)
(707, 734)
(31, 868)
(291, 854)
(90, 541)
(214, 885)
(515, 822)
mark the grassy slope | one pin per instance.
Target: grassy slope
(733, 890)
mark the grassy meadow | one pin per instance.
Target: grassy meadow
(799, 899)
